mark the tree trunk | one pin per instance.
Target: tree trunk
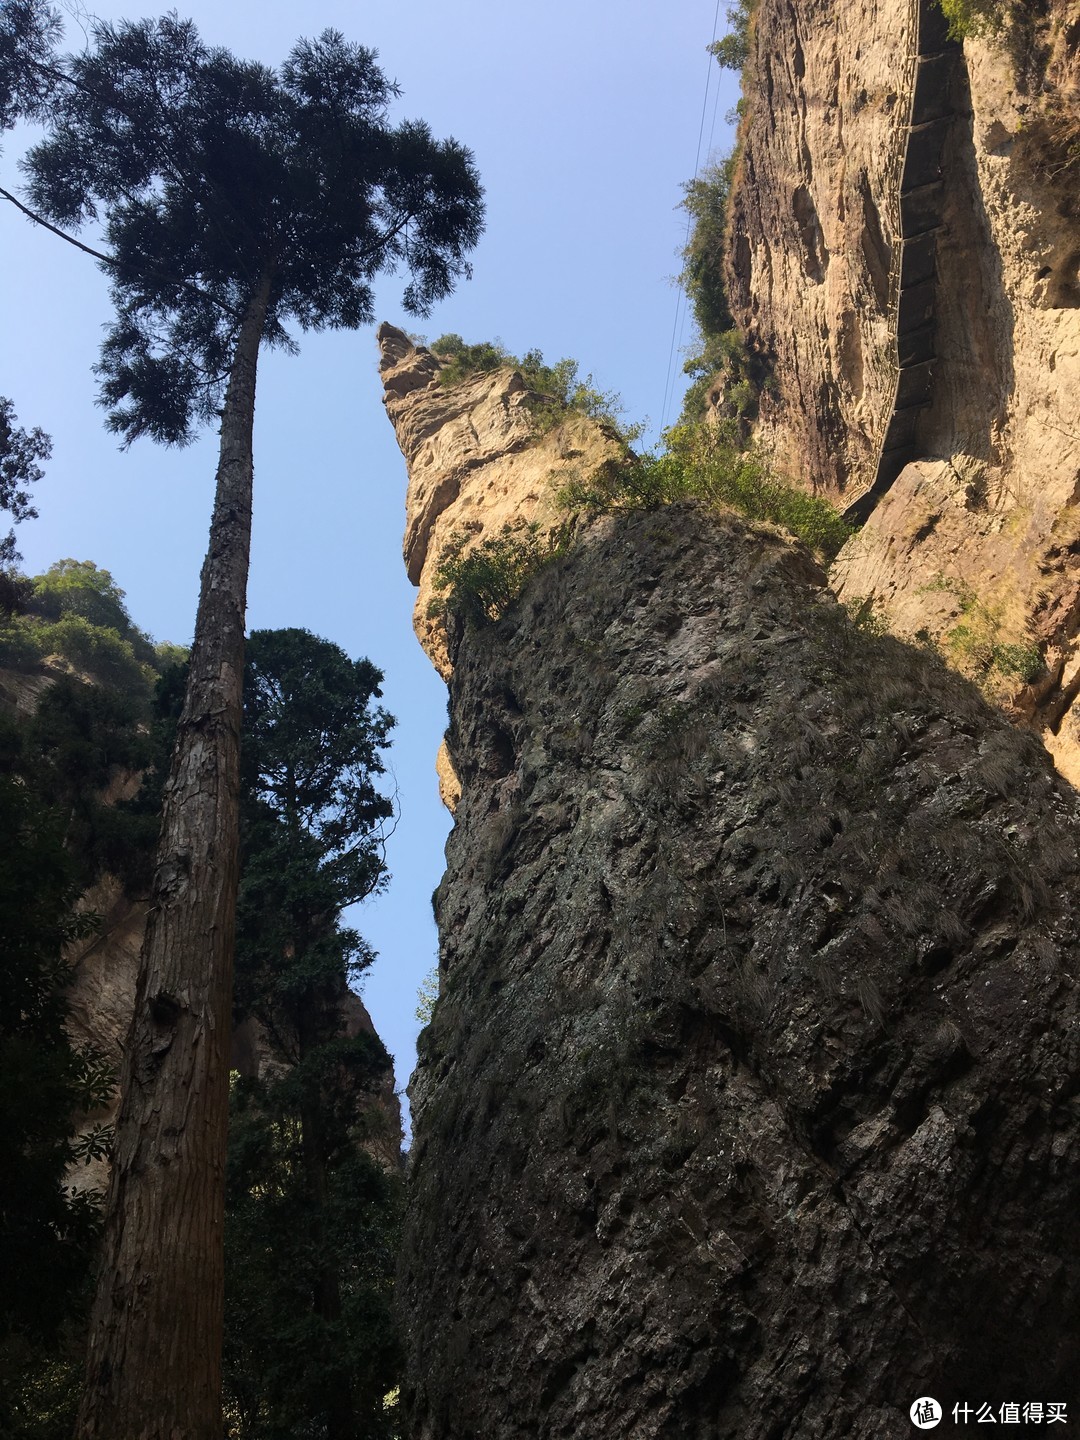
(313, 1030)
(154, 1362)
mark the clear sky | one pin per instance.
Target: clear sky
(585, 117)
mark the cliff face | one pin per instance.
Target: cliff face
(476, 463)
(749, 1105)
(905, 244)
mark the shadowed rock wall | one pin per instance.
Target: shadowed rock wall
(749, 1107)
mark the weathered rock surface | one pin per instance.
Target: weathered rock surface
(815, 226)
(816, 269)
(476, 463)
(749, 1107)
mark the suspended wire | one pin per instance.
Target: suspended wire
(680, 299)
(715, 112)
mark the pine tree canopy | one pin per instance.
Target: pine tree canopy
(312, 738)
(215, 178)
(29, 29)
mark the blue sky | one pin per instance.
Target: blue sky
(585, 120)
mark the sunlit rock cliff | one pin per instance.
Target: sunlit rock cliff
(476, 463)
(749, 1106)
(905, 245)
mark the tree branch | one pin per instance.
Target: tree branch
(111, 260)
(38, 220)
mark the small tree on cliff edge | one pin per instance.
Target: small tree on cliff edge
(233, 198)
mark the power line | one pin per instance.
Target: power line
(680, 311)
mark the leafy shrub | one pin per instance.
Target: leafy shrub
(480, 583)
(973, 645)
(20, 450)
(705, 200)
(1024, 661)
(76, 610)
(732, 50)
(722, 357)
(557, 387)
(865, 616)
(973, 17)
(427, 996)
(97, 649)
(79, 587)
(462, 360)
(706, 462)
(20, 644)
(167, 656)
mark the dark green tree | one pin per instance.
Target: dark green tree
(79, 587)
(732, 50)
(233, 200)
(311, 1217)
(29, 32)
(47, 1230)
(20, 451)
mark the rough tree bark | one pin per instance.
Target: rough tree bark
(154, 1360)
(338, 1408)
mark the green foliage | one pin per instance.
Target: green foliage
(20, 451)
(706, 200)
(47, 1230)
(974, 643)
(1024, 661)
(80, 588)
(312, 753)
(76, 610)
(557, 388)
(427, 996)
(706, 462)
(82, 738)
(479, 583)
(974, 17)
(311, 1221)
(463, 360)
(865, 616)
(216, 178)
(95, 649)
(167, 656)
(283, 1358)
(732, 51)
(21, 647)
(722, 359)
(29, 29)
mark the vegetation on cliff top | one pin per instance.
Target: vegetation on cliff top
(728, 377)
(557, 388)
(732, 51)
(974, 17)
(706, 462)
(76, 613)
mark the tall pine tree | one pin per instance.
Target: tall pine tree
(233, 199)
